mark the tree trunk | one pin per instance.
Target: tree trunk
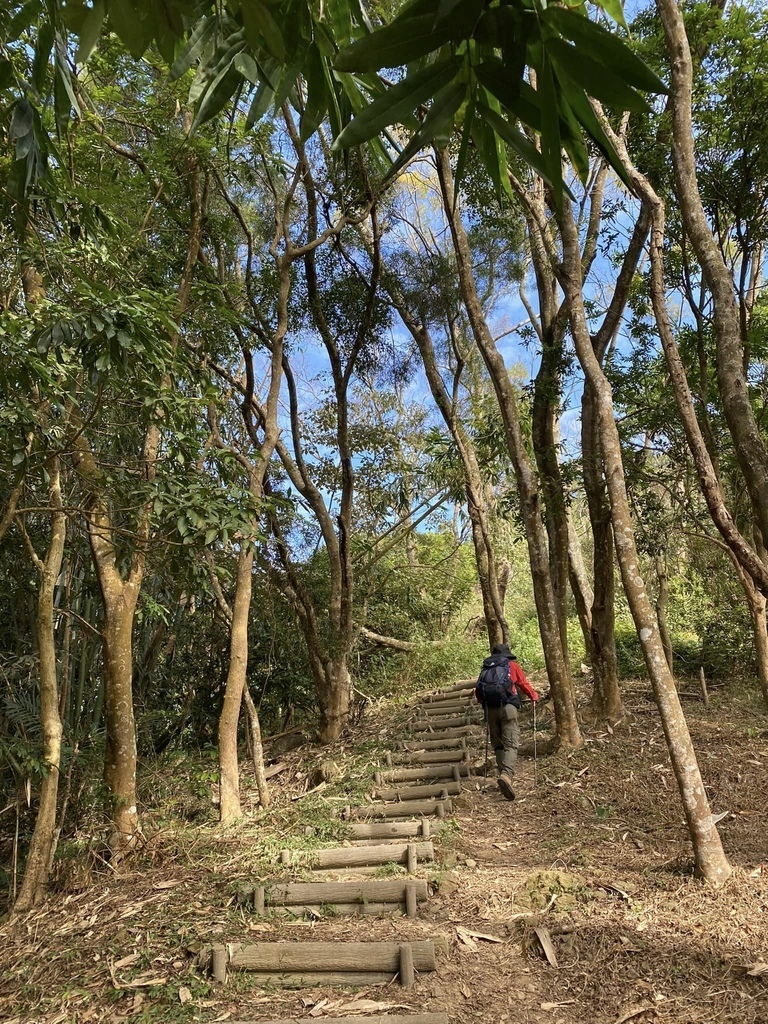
(749, 446)
(229, 775)
(662, 599)
(567, 732)
(257, 749)
(43, 845)
(583, 595)
(497, 631)
(120, 755)
(335, 692)
(756, 603)
(710, 860)
(606, 702)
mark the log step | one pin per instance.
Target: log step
(319, 957)
(326, 910)
(449, 708)
(449, 695)
(416, 757)
(324, 979)
(441, 790)
(379, 1018)
(302, 894)
(445, 742)
(468, 732)
(351, 856)
(438, 771)
(434, 724)
(407, 809)
(389, 829)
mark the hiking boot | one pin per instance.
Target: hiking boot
(505, 785)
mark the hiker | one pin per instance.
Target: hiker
(498, 689)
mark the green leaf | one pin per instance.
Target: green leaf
(248, 68)
(42, 55)
(317, 103)
(437, 122)
(582, 108)
(132, 26)
(614, 9)
(515, 139)
(551, 146)
(261, 28)
(210, 536)
(198, 40)
(596, 80)
(397, 103)
(401, 42)
(604, 47)
(260, 104)
(216, 96)
(89, 32)
(466, 133)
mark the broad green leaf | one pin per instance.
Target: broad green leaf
(597, 81)
(551, 147)
(396, 103)
(573, 139)
(614, 9)
(437, 122)
(217, 95)
(42, 55)
(90, 31)
(248, 68)
(405, 40)
(582, 108)
(261, 103)
(524, 104)
(604, 47)
(316, 104)
(515, 139)
(132, 26)
(198, 40)
(261, 27)
(466, 134)
(24, 18)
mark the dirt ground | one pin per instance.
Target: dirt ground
(593, 854)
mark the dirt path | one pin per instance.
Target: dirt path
(595, 853)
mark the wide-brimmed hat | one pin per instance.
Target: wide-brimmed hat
(503, 649)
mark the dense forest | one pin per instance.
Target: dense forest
(330, 357)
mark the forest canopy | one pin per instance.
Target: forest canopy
(343, 342)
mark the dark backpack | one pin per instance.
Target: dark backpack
(495, 686)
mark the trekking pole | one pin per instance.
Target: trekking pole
(535, 759)
(485, 764)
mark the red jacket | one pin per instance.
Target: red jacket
(516, 677)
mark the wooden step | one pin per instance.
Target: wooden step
(437, 771)
(449, 695)
(381, 896)
(441, 790)
(435, 724)
(437, 807)
(327, 963)
(368, 830)
(446, 742)
(378, 1018)
(354, 856)
(468, 731)
(458, 707)
(416, 757)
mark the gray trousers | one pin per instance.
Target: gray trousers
(505, 737)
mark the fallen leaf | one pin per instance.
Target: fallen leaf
(147, 980)
(757, 970)
(635, 1011)
(185, 996)
(465, 991)
(317, 1009)
(555, 1006)
(369, 1006)
(542, 934)
(719, 817)
(466, 938)
(169, 884)
(126, 961)
(481, 935)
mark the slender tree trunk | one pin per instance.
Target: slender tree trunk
(229, 778)
(257, 748)
(567, 732)
(120, 755)
(662, 599)
(496, 628)
(749, 445)
(583, 595)
(43, 845)
(756, 603)
(710, 860)
(606, 702)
